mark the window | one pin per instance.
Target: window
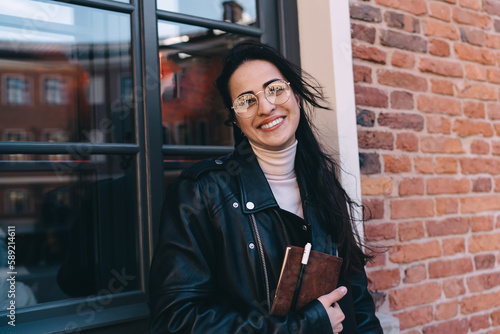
(54, 91)
(17, 90)
(13, 135)
(16, 201)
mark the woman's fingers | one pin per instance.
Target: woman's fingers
(333, 297)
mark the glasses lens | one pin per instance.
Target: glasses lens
(245, 105)
(278, 92)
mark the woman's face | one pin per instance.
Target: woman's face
(273, 126)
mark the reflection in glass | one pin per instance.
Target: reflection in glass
(61, 67)
(75, 229)
(242, 12)
(190, 60)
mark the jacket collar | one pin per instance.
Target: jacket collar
(256, 194)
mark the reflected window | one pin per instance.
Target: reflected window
(16, 201)
(55, 136)
(241, 12)
(15, 135)
(17, 90)
(54, 90)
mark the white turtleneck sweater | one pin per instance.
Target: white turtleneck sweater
(278, 167)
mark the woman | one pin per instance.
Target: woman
(227, 221)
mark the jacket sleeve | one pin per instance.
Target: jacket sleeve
(364, 306)
(182, 289)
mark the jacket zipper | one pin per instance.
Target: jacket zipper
(261, 252)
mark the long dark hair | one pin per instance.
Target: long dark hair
(314, 168)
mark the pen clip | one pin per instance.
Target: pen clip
(307, 252)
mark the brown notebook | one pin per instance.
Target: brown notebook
(320, 277)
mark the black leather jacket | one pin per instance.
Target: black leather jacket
(221, 246)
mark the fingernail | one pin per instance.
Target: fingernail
(343, 289)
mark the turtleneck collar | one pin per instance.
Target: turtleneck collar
(277, 165)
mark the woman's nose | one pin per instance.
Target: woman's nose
(265, 107)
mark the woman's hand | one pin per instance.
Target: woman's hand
(335, 314)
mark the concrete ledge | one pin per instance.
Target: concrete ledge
(390, 324)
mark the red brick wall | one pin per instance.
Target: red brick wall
(427, 87)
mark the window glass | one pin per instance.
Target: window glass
(75, 229)
(241, 12)
(190, 61)
(64, 66)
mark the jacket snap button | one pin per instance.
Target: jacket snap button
(251, 245)
(235, 205)
(250, 205)
(218, 162)
(304, 227)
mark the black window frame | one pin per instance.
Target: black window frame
(129, 311)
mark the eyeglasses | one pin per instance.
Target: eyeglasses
(277, 92)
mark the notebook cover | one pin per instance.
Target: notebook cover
(320, 277)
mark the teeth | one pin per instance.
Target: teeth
(273, 123)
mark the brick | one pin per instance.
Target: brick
(403, 41)
(446, 165)
(376, 185)
(383, 279)
(423, 165)
(483, 282)
(472, 36)
(474, 54)
(475, 72)
(402, 21)
(376, 139)
(479, 146)
(438, 104)
(478, 322)
(365, 117)
(497, 25)
(401, 121)
(445, 205)
(362, 73)
(447, 268)
(402, 59)
(477, 91)
(495, 318)
(402, 80)
(368, 96)
(482, 223)
(484, 261)
(412, 208)
(369, 53)
(497, 184)
(417, 7)
(484, 242)
(453, 246)
(448, 226)
(407, 142)
(365, 13)
(446, 310)
(493, 75)
(443, 87)
(479, 302)
(373, 208)
(402, 100)
(396, 164)
(438, 124)
(374, 232)
(492, 41)
(471, 4)
(495, 147)
(480, 165)
(411, 231)
(440, 11)
(379, 257)
(497, 128)
(474, 109)
(441, 67)
(482, 185)
(414, 295)
(415, 274)
(466, 127)
(493, 110)
(415, 317)
(438, 47)
(454, 287)
(369, 163)
(462, 16)
(453, 326)
(363, 33)
(440, 29)
(440, 145)
(411, 186)
(480, 203)
(446, 185)
(491, 7)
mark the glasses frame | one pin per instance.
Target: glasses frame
(257, 99)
